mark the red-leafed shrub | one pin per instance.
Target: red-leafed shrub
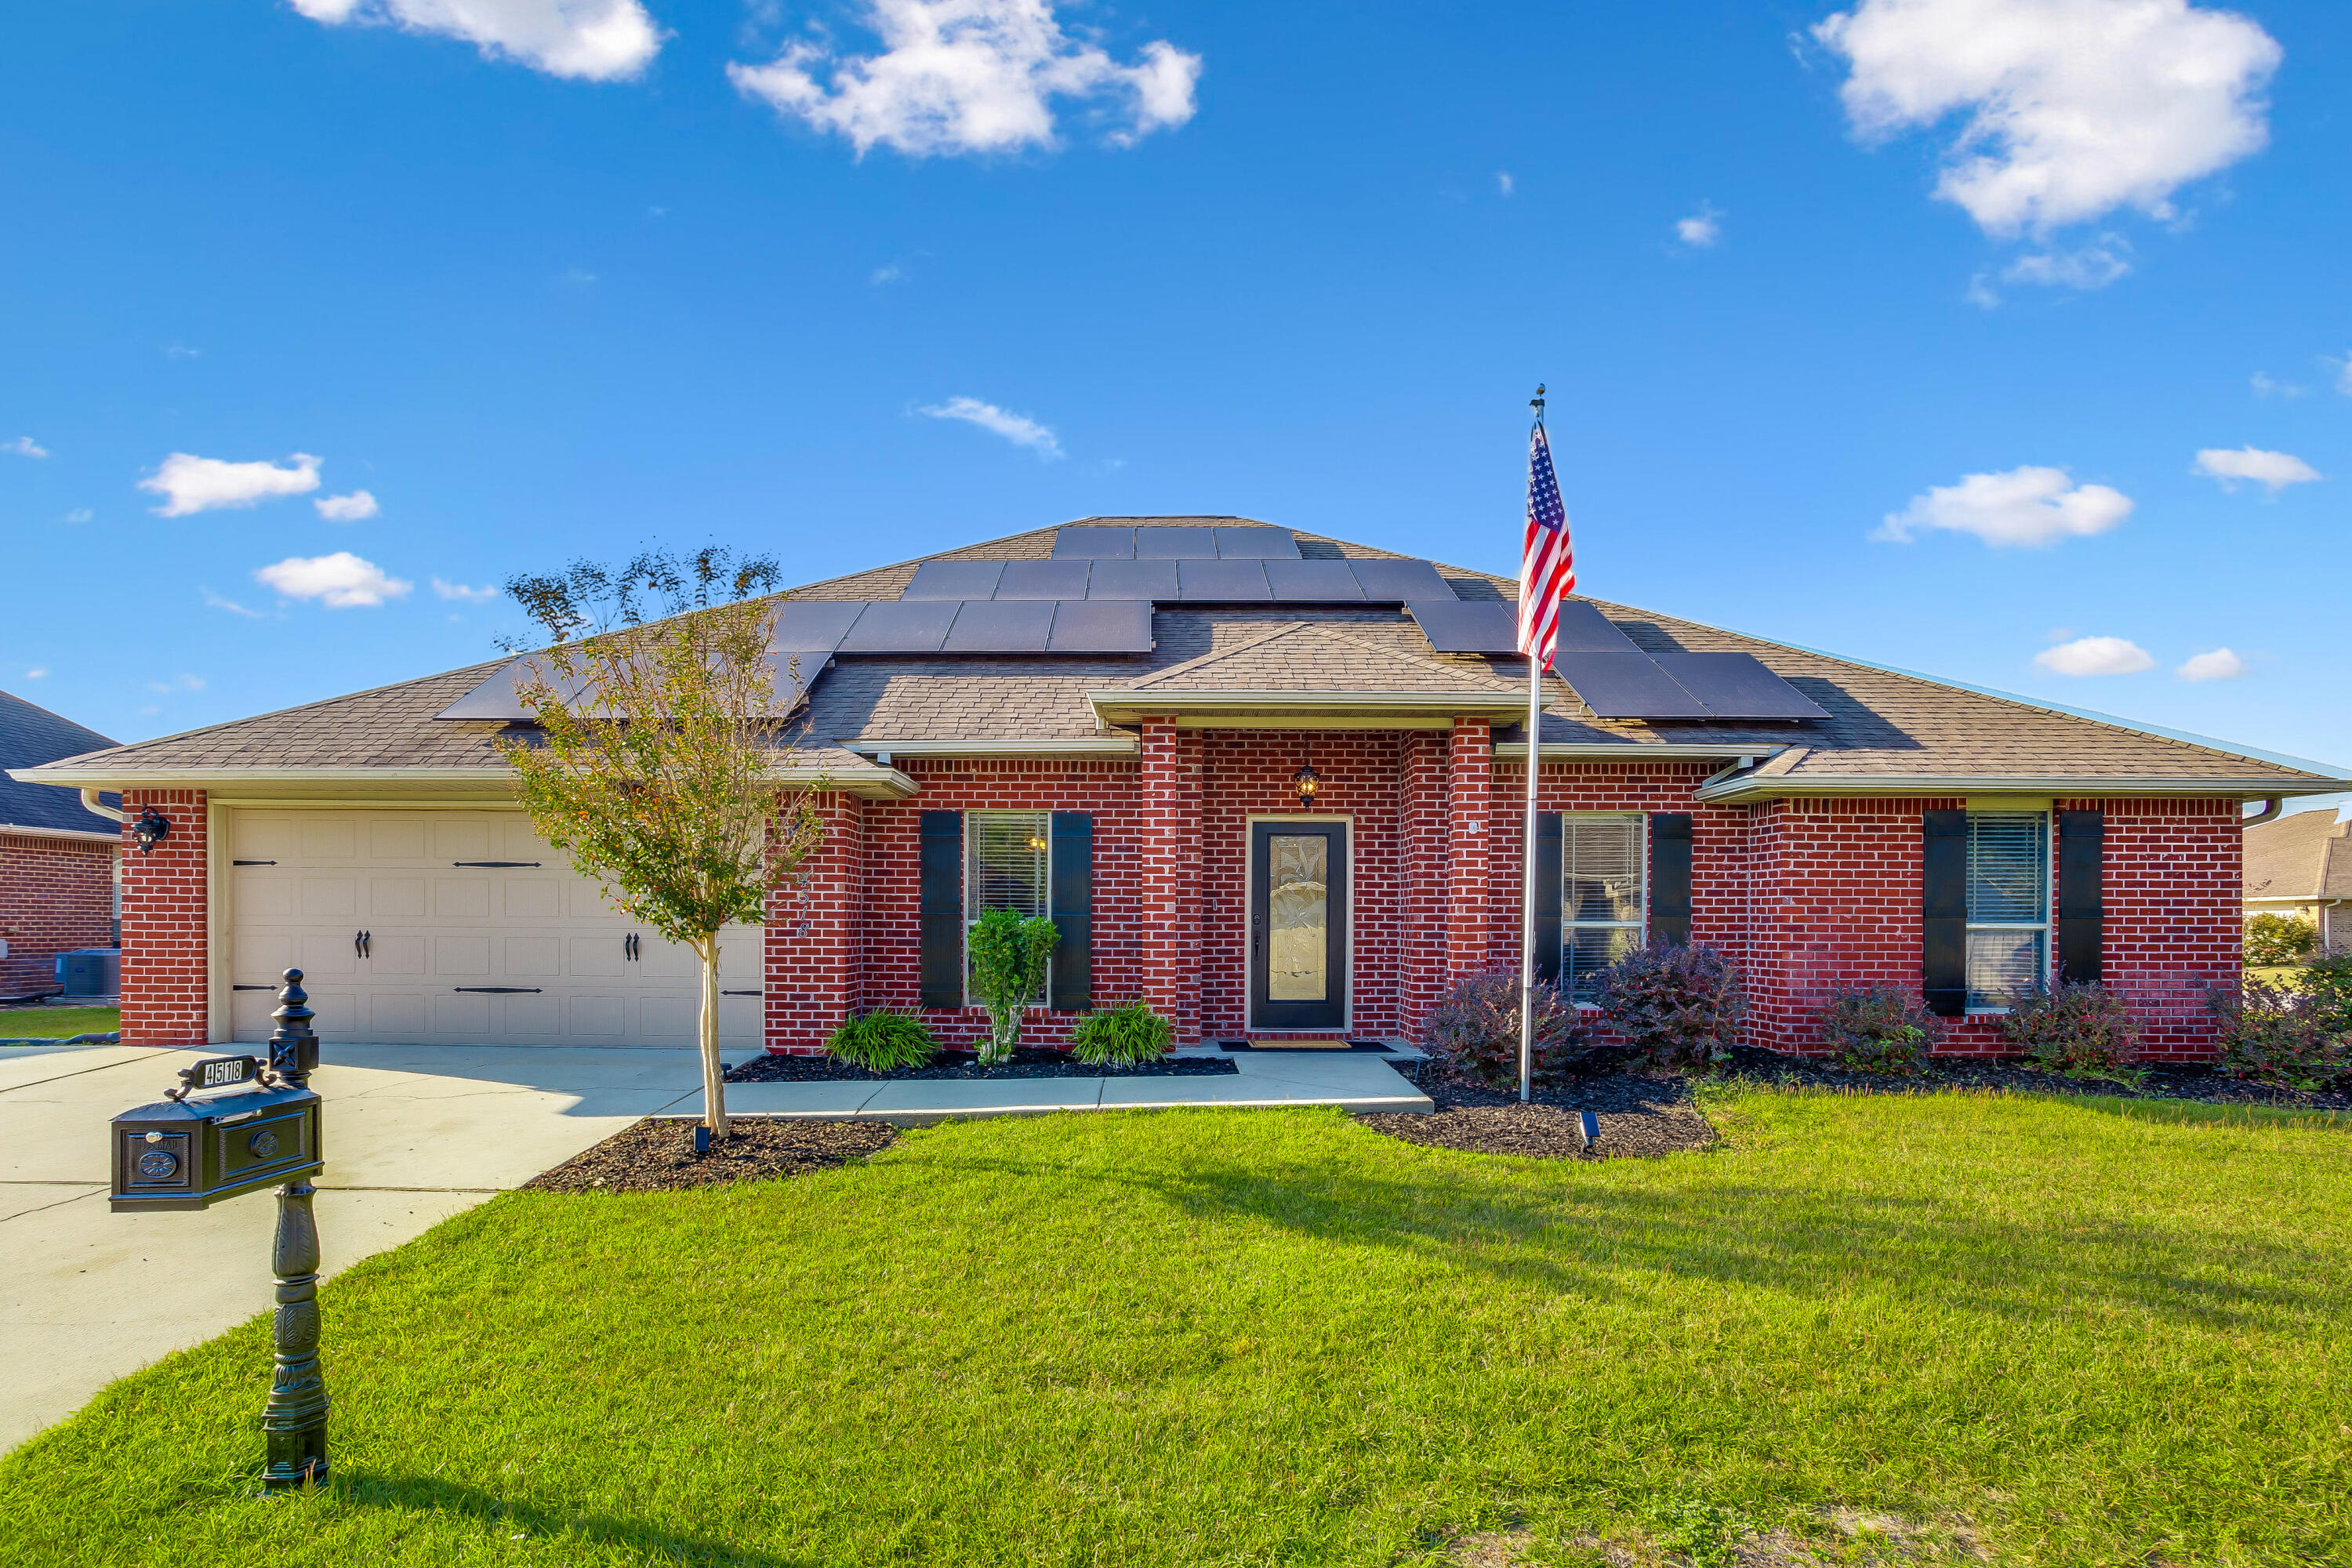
(1475, 1030)
(2074, 1026)
(1678, 1007)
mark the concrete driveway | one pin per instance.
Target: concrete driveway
(412, 1134)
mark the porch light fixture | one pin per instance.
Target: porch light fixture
(150, 830)
(1305, 781)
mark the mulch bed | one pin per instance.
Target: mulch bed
(2200, 1084)
(657, 1156)
(1025, 1063)
(1639, 1117)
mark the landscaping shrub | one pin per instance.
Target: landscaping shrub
(1475, 1031)
(1010, 952)
(1122, 1035)
(2328, 980)
(2074, 1026)
(882, 1040)
(1882, 1029)
(1678, 1007)
(2274, 939)
(2276, 1035)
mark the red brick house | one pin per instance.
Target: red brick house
(1105, 723)
(57, 856)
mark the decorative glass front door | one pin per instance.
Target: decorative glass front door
(1299, 925)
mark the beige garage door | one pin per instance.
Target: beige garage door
(457, 928)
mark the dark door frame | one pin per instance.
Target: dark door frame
(1330, 1014)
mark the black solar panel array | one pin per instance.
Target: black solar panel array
(1198, 579)
(1147, 543)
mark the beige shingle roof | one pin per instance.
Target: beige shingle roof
(1882, 723)
(2306, 855)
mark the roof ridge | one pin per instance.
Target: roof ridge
(1161, 678)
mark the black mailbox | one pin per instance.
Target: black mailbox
(230, 1129)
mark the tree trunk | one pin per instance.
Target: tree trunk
(714, 1078)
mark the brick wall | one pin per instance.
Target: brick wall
(2172, 930)
(165, 924)
(56, 894)
(815, 932)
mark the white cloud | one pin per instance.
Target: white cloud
(2275, 471)
(341, 582)
(2218, 664)
(1701, 229)
(231, 606)
(2071, 108)
(883, 275)
(178, 683)
(2342, 374)
(970, 76)
(351, 507)
(2027, 506)
(1017, 429)
(1980, 294)
(2094, 655)
(2268, 385)
(181, 350)
(460, 591)
(24, 447)
(38, 672)
(80, 514)
(1503, 183)
(591, 40)
(2092, 266)
(191, 484)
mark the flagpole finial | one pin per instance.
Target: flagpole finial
(1537, 403)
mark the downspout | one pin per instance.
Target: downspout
(2271, 808)
(91, 803)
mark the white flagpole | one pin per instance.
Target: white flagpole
(1527, 886)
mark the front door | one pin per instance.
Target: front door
(1299, 925)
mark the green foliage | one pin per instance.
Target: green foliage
(1010, 953)
(1679, 1007)
(2282, 1036)
(1475, 1030)
(1705, 1532)
(2280, 939)
(2076, 1026)
(1881, 1029)
(2328, 980)
(882, 1040)
(1122, 1035)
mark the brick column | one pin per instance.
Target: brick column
(1469, 808)
(815, 970)
(166, 923)
(1423, 820)
(1169, 906)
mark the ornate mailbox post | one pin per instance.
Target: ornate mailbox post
(234, 1126)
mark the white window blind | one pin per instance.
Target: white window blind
(1006, 867)
(2009, 906)
(1600, 901)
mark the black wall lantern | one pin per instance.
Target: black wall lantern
(1305, 781)
(150, 830)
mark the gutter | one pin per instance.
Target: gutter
(1048, 746)
(871, 781)
(1128, 706)
(1637, 752)
(1781, 787)
(25, 830)
(97, 807)
(2271, 806)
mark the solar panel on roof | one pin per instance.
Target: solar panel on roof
(1313, 582)
(1627, 686)
(494, 697)
(1583, 629)
(1176, 544)
(1014, 625)
(813, 623)
(1043, 580)
(1738, 685)
(1459, 626)
(1102, 625)
(1399, 580)
(1132, 580)
(498, 697)
(1096, 543)
(1220, 582)
(954, 580)
(1263, 544)
(901, 626)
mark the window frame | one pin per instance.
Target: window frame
(1045, 860)
(2047, 925)
(1638, 823)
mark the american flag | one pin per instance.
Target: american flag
(1548, 573)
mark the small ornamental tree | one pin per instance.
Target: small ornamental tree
(1010, 953)
(659, 749)
(2273, 940)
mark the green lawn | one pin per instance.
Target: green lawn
(2079, 1332)
(58, 1023)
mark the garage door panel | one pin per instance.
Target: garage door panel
(532, 897)
(461, 898)
(532, 957)
(327, 837)
(250, 1015)
(259, 895)
(458, 837)
(530, 1014)
(395, 955)
(395, 838)
(398, 1014)
(459, 1017)
(396, 898)
(600, 955)
(661, 960)
(466, 957)
(330, 897)
(669, 1017)
(600, 1017)
(261, 956)
(327, 956)
(263, 835)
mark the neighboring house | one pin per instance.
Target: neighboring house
(56, 856)
(1107, 722)
(2302, 865)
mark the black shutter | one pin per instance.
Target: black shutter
(942, 840)
(1548, 895)
(1670, 876)
(1073, 895)
(2082, 892)
(1944, 913)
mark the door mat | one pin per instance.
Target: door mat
(1369, 1048)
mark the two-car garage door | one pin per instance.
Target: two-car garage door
(457, 928)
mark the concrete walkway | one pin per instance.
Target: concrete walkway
(413, 1135)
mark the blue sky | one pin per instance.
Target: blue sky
(601, 273)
